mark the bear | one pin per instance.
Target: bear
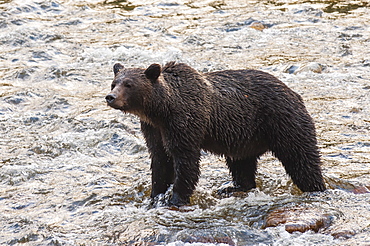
(237, 114)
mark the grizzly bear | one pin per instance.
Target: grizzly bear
(239, 114)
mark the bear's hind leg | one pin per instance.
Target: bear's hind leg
(243, 172)
(302, 165)
(293, 142)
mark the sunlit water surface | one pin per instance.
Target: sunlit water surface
(75, 172)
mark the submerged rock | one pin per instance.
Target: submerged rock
(309, 67)
(298, 219)
(257, 25)
(361, 190)
(343, 234)
(210, 240)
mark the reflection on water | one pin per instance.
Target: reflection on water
(75, 172)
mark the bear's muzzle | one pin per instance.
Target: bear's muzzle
(110, 98)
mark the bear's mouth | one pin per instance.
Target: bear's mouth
(112, 105)
(123, 110)
(119, 105)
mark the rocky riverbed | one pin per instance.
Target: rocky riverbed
(75, 172)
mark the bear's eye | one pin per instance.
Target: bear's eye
(127, 83)
(112, 86)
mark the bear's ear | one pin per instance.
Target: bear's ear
(153, 72)
(117, 67)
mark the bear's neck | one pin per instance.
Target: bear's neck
(145, 118)
(155, 104)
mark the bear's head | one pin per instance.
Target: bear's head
(131, 87)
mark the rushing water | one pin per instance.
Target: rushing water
(75, 172)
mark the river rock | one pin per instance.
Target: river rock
(298, 219)
(309, 67)
(343, 234)
(257, 25)
(361, 190)
(290, 69)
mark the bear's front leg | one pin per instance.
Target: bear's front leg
(186, 166)
(161, 164)
(162, 173)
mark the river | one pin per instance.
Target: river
(76, 172)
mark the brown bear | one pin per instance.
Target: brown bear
(239, 114)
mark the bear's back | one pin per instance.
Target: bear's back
(260, 87)
(244, 80)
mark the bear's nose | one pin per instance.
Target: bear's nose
(110, 98)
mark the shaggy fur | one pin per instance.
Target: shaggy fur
(239, 114)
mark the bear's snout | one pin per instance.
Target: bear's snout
(110, 98)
